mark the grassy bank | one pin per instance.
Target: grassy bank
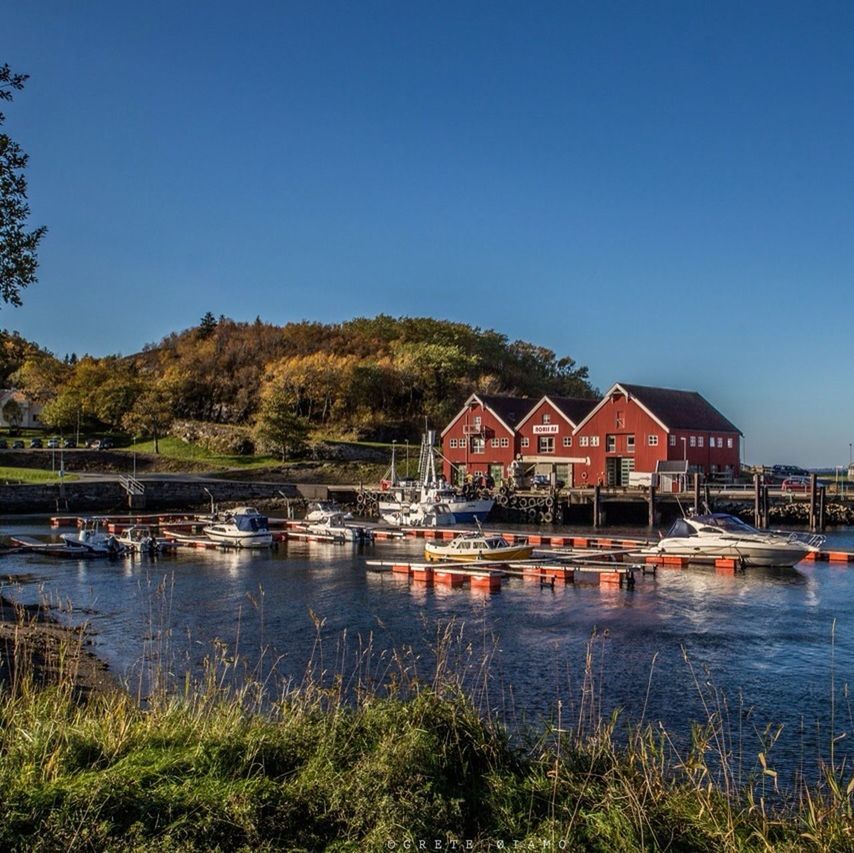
(34, 476)
(216, 768)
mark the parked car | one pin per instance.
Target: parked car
(69, 442)
(799, 484)
(36, 442)
(53, 443)
(17, 444)
(106, 444)
(543, 481)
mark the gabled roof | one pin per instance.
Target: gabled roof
(672, 409)
(572, 409)
(508, 410)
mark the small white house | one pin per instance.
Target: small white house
(28, 410)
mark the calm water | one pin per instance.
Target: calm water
(764, 639)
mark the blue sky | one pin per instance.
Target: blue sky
(662, 191)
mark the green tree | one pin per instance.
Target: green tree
(18, 247)
(13, 414)
(63, 411)
(207, 326)
(152, 413)
(278, 426)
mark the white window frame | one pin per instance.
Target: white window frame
(567, 441)
(720, 442)
(584, 441)
(547, 418)
(525, 442)
(546, 444)
(673, 441)
(729, 443)
(630, 443)
(610, 443)
(700, 441)
(692, 441)
(505, 442)
(652, 440)
(594, 440)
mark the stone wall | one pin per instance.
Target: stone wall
(109, 496)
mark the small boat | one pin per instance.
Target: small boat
(91, 541)
(140, 540)
(336, 525)
(471, 547)
(320, 510)
(243, 527)
(721, 535)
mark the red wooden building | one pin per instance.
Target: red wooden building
(545, 436)
(634, 427)
(481, 439)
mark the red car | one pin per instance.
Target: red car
(798, 484)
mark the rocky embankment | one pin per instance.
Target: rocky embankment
(796, 514)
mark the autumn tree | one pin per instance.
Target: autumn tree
(18, 246)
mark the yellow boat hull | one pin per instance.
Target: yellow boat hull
(443, 554)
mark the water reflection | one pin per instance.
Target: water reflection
(761, 638)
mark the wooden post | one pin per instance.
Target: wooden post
(652, 506)
(822, 503)
(596, 509)
(697, 493)
(757, 507)
(813, 501)
(708, 495)
(766, 506)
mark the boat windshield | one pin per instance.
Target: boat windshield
(726, 522)
(251, 523)
(680, 529)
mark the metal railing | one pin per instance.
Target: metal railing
(132, 486)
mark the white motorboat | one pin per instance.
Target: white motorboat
(319, 511)
(337, 526)
(430, 501)
(721, 535)
(243, 527)
(92, 541)
(140, 540)
(472, 547)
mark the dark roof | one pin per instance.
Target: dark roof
(575, 408)
(511, 410)
(681, 409)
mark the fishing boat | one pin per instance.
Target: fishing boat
(92, 541)
(721, 535)
(243, 527)
(471, 547)
(417, 503)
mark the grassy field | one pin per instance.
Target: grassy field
(30, 475)
(345, 764)
(175, 448)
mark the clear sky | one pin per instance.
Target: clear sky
(663, 191)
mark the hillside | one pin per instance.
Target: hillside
(368, 378)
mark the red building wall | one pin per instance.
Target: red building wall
(623, 418)
(462, 442)
(557, 428)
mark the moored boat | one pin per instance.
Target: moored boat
(243, 527)
(471, 547)
(721, 535)
(91, 541)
